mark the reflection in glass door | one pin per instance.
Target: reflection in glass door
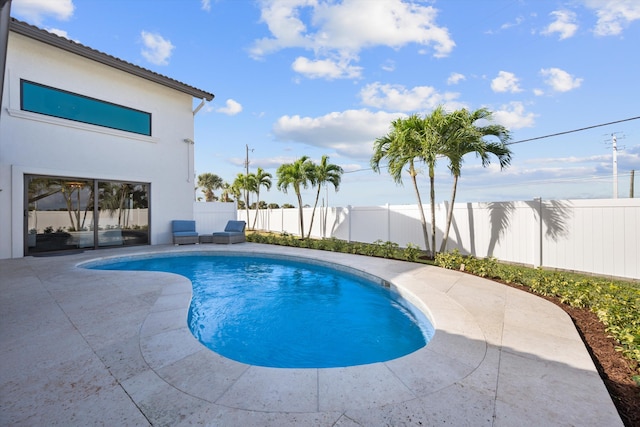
(124, 213)
(72, 213)
(60, 213)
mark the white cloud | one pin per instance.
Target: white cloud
(231, 108)
(560, 80)
(60, 33)
(349, 133)
(455, 78)
(389, 65)
(613, 15)
(342, 30)
(399, 98)
(36, 10)
(505, 82)
(325, 68)
(513, 116)
(564, 24)
(206, 5)
(519, 20)
(157, 50)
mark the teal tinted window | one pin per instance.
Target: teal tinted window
(66, 105)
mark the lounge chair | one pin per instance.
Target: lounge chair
(184, 232)
(233, 233)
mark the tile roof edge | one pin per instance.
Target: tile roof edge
(33, 32)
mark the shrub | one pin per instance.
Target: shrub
(411, 252)
(452, 260)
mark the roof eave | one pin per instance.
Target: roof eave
(111, 61)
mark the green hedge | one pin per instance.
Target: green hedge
(379, 248)
(615, 302)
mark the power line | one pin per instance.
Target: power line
(538, 137)
(572, 131)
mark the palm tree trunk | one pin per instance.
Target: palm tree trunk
(300, 213)
(313, 212)
(257, 209)
(443, 247)
(423, 220)
(246, 204)
(432, 195)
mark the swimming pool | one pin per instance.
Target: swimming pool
(286, 313)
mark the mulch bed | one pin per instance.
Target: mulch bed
(615, 370)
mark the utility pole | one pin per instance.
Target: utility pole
(614, 145)
(631, 185)
(614, 142)
(246, 162)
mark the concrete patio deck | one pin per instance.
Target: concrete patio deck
(90, 347)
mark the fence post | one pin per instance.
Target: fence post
(349, 223)
(537, 232)
(388, 222)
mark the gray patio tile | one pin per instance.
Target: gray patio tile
(551, 392)
(453, 406)
(204, 374)
(159, 321)
(122, 358)
(217, 415)
(274, 389)
(161, 403)
(362, 386)
(165, 348)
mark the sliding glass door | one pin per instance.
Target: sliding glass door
(77, 213)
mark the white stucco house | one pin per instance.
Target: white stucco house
(94, 151)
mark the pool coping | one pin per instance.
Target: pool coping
(493, 349)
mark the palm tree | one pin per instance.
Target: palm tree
(261, 178)
(467, 137)
(227, 192)
(247, 184)
(296, 174)
(324, 173)
(210, 182)
(436, 130)
(401, 147)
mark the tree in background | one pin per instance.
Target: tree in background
(227, 192)
(260, 179)
(401, 148)
(465, 137)
(297, 174)
(209, 182)
(323, 174)
(244, 183)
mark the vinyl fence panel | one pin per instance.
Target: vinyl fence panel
(594, 236)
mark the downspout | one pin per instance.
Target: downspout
(190, 142)
(199, 106)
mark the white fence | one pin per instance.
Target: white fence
(595, 236)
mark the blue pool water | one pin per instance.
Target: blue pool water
(291, 314)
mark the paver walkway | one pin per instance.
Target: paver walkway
(89, 347)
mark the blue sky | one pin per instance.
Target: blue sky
(315, 77)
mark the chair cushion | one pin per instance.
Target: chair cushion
(181, 225)
(237, 226)
(184, 233)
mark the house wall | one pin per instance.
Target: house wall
(35, 144)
